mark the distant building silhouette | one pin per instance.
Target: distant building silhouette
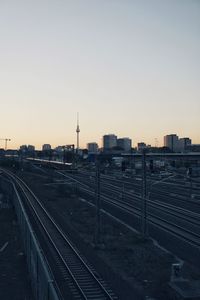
(175, 144)
(193, 148)
(109, 141)
(124, 143)
(183, 143)
(31, 148)
(92, 148)
(23, 148)
(141, 146)
(46, 147)
(171, 141)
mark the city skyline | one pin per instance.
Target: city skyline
(128, 68)
(155, 143)
(118, 140)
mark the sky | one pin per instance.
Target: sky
(128, 67)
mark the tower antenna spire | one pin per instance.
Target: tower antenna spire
(77, 133)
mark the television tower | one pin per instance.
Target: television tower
(77, 133)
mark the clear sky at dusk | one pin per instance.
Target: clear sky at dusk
(128, 67)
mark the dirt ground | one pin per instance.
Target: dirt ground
(142, 263)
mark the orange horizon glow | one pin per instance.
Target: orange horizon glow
(136, 74)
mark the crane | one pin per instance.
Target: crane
(6, 141)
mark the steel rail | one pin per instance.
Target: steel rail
(183, 214)
(155, 220)
(76, 269)
(186, 234)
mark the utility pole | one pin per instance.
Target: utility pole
(73, 158)
(190, 187)
(144, 196)
(190, 180)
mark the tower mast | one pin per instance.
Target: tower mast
(77, 133)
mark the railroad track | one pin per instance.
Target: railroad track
(75, 274)
(133, 183)
(169, 226)
(188, 229)
(131, 196)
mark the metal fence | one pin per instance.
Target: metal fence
(43, 285)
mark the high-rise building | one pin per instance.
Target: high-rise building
(183, 143)
(109, 141)
(92, 148)
(172, 142)
(124, 143)
(46, 147)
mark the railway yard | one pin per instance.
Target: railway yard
(91, 238)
